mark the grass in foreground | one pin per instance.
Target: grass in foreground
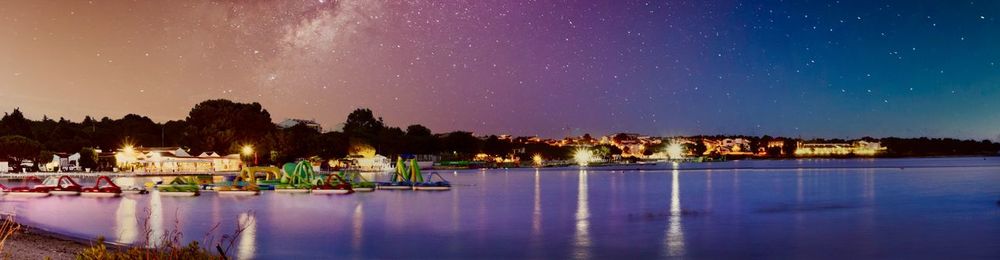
(166, 246)
(7, 229)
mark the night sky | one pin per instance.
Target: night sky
(550, 68)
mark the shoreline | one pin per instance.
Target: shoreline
(34, 243)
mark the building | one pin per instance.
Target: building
(375, 163)
(288, 123)
(858, 148)
(631, 144)
(778, 146)
(63, 163)
(728, 146)
(173, 159)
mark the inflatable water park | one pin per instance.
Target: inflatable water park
(297, 177)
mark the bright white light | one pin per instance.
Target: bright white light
(537, 159)
(583, 156)
(675, 151)
(247, 150)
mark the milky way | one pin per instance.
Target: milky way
(550, 68)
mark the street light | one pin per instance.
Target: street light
(537, 160)
(583, 156)
(247, 150)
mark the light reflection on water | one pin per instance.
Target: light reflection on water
(155, 221)
(127, 226)
(572, 213)
(248, 238)
(358, 224)
(675, 233)
(536, 214)
(582, 236)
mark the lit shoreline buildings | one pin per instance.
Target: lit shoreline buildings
(173, 159)
(857, 148)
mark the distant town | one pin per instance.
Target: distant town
(221, 135)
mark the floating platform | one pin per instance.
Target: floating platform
(324, 192)
(364, 189)
(64, 192)
(100, 194)
(135, 191)
(396, 187)
(292, 190)
(239, 192)
(28, 194)
(179, 193)
(432, 188)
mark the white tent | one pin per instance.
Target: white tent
(181, 153)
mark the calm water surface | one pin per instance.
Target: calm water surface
(886, 208)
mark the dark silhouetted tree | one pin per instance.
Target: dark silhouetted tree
(16, 148)
(14, 123)
(221, 125)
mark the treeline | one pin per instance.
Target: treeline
(224, 126)
(900, 147)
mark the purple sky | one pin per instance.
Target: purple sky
(551, 68)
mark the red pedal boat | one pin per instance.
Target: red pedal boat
(64, 186)
(333, 185)
(109, 189)
(27, 191)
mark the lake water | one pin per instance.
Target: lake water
(943, 208)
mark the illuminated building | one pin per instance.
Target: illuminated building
(728, 146)
(859, 148)
(173, 159)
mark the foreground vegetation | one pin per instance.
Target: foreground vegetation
(165, 246)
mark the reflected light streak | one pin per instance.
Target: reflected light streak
(126, 225)
(155, 220)
(536, 216)
(708, 189)
(358, 228)
(675, 234)
(248, 239)
(582, 236)
(455, 211)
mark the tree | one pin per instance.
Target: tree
(418, 131)
(362, 124)
(655, 148)
(390, 141)
(140, 129)
(420, 140)
(494, 146)
(790, 146)
(333, 145)
(16, 148)
(15, 124)
(88, 158)
(699, 148)
(606, 150)
(218, 125)
(173, 133)
(461, 143)
(296, 142)
(44, 157)
(360, 147)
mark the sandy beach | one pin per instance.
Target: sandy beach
(31, 243)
